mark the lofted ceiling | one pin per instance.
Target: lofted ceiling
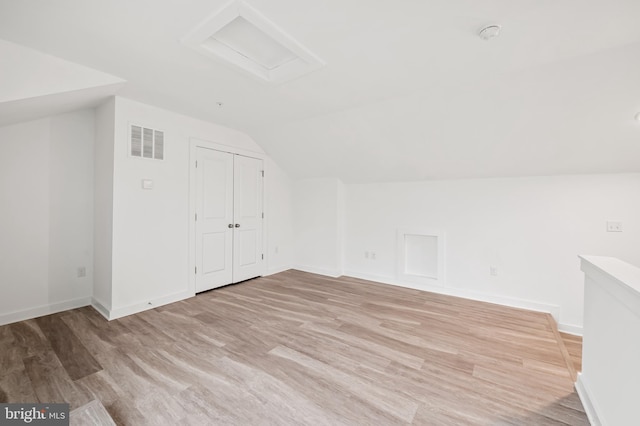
(409, 91)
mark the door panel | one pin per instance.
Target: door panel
(216, 190)
(248, 251)
(247, 241)
(214, 210)
(249, 177)
(214, 254)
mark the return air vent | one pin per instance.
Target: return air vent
(146, 143)
(241, 36)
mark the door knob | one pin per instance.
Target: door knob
(230, 225)
(237, 225)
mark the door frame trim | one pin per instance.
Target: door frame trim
(194, 144)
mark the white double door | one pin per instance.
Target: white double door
(229, 218)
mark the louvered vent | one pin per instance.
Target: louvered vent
(147, 143)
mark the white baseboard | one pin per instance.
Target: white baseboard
(587, 402)
(144, 306)
(100, 307)
(274, 271)
(39, 311)
(576, 330)
(554, 310)
(333, 273)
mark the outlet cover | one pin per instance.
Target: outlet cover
(614, 226)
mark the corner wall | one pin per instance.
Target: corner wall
(46, 219)
(103, 205)
(319, 225)
(530, 229)
(279, 218)
(150, 263)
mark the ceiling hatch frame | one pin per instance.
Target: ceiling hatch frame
(241, 36)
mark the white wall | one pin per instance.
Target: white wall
(46, 217)
(56, 195)
(24, 217)
(319, 225)
(279, 218)
(150, 263)
(27, 73)
(531, 229)
(103, 204)
(71, 205)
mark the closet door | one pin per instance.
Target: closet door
(214, 219)
(248, 218)
(229, 218)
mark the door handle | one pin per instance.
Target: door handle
(237, 225)
(230, 225)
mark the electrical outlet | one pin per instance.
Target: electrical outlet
(373, 255)
(276, 250)
(493, 270)
(366, 254)
(82, 272)
(614, 226)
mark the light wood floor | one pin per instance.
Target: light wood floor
(297, 348)
(574, 347)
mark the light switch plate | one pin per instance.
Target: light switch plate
(147, 184)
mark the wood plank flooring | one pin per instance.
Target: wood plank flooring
(297, 348)
(574, 348)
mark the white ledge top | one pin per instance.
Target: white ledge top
(623, 272)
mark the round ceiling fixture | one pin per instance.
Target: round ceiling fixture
(219, 104)
(489, 32)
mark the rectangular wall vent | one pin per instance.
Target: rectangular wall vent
(146, 143)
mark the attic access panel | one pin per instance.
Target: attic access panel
(241, 36)
(421, 257)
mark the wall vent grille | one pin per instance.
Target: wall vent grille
(146, 143)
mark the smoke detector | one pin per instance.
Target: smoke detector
(487, 33)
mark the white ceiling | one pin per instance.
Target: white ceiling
(408, 91)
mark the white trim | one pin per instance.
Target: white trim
(273, 271)
(43, 310)
(576, 330)
(100, 307)
(587, 402)
(623, 279)
(151, 304)
(195, 142)
(333, 273)
(554, 310)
